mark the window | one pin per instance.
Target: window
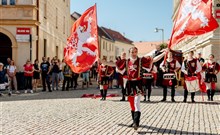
(106, 46)
(37, 48)
(117, 52)
(45, 10)
(64, 20)
(57, 51)
(112, 48)
(12, 2)
(103, 45)
(56, 18)
(4, 2)
(45, 48)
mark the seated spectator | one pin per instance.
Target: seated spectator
(3, 80)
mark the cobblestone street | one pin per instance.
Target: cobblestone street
(64, 113)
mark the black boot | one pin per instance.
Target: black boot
(139, 116)
(185, 96)
(136, 120)
(193, 97)
(132, 115)
(208, 94)
(105, 94)
(123, 98)
(101, 91)
(149, 94)
(173, 93)
(212, 94)
(164, 94)
(123, 94)
(144, 98)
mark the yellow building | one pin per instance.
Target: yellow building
(106, 45)
(206, 44)
(33, 29)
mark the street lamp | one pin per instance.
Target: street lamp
(157, 30)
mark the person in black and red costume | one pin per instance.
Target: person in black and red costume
(133, 81)
(190, 67)
(120, 64)
(169, 67)
(104, 72)
(211, 69)
(147, 75)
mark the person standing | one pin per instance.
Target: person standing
(74, 79)
(95, 73)
(200, 59)
(44, 66)
(154, 72)
(85, 76)
(169, 67)
(11, 71)
(105, 72)
(147, 70)
(211, 69)
(120, 64)
(134, 82)
(55, 74)
(67, 76)
(28, 74)
(7, 64)
(190, 67)
(157, 64)
(61, 66)
(36, 75)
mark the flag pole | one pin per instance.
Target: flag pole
(97, 30)
(99, 48)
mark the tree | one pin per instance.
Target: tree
(163, 45)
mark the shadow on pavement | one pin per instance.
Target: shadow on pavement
(162, 130)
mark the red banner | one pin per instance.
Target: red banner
(81, 51)
(194, 18)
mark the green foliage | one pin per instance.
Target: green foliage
(164, 45)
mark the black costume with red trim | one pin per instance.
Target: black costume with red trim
(147, 75)
(169, 82)
(120, 65)
(104, 72)
(132, 79)
(191, 67)
(210, 70)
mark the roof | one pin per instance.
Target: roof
(75, 15)
(117, 36)
(146, 47)
(102, 33)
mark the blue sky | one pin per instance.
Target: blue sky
(136, 18)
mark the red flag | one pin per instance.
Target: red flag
(82, 46)
(194, 18)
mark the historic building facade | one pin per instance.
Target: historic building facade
(31, 29)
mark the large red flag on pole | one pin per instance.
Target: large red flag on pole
(193, 18)
(82, 46)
